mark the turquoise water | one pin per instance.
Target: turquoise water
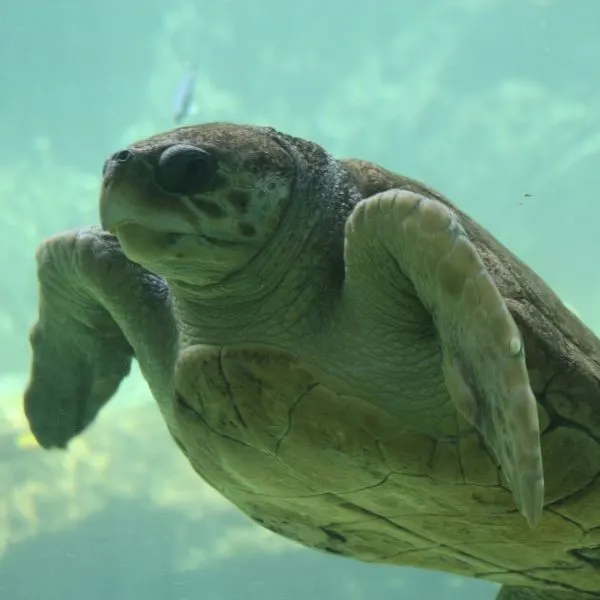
(494, 103)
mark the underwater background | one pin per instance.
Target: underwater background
(496, 103)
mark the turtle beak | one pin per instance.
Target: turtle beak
(113, 210)
(115, 203)
(130, 196)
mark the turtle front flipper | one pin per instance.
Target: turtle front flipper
(483, 355)
(510, 592)
(91, 299)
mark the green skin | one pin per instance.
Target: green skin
(253, 275)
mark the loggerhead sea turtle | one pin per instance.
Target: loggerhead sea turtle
(339, 351)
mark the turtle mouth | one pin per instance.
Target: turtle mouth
(113, 228)
(119, 229)
(122, 212)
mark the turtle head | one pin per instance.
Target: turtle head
(197, 203)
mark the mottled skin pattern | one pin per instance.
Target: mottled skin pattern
(342, 362)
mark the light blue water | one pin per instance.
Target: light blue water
(495, 103)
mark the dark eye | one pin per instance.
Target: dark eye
(185, 170)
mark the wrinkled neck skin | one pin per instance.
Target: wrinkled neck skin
(293, 283)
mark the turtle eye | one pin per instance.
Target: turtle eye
(185, 170)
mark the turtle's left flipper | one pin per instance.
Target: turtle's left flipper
(97, 310)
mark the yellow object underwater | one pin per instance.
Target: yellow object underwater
(27, 440)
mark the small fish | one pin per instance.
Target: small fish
(183, 101)
(526, 195)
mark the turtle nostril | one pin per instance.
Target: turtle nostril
(117, 159)
(122, 155)
(186, 170)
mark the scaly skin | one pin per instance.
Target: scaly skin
(330, 345)
(520, 593)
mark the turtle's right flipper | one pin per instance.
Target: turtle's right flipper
(80, 352)
(483, 353)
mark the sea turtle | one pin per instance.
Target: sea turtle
(338, 350)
